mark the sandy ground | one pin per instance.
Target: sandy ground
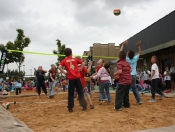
(51, 115)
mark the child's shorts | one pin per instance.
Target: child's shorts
(85, 90)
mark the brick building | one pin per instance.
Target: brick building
(103, 51)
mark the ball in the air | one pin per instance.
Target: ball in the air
(6, 105)
(117, 12)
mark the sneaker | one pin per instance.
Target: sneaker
(92, 106)
(119, 109)
(139, 103)
(70, 110)
(162, 96)
(152, 100)
(84, 108)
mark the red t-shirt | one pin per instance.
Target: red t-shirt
(124, 78)
(53, 72)
(82, 75)
(71, 66)
(98, 68)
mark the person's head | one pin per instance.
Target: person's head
(106, 66)
(40, 68)
(18, 80)
(122, 55)
(131, 54)
(53, 66)
(100, 62)
(78, 57)
(154, 59)
(166, 69)
(68, 51)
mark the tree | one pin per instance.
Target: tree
(20, 43)
(59, 51)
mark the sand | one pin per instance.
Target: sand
(51, 115)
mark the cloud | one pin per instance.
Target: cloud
(77, 23)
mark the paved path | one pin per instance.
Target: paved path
(161, 129)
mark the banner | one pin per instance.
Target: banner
(2, 61)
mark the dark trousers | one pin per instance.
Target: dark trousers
(122, 96)
(76, 83)
(64, 88)
(41, 85)
(155, 88)
(89, 86)
(18, 90)
(168, 84)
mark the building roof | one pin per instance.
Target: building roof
(159, 35)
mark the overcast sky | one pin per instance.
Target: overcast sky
(77, 23)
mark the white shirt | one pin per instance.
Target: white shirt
(167, 76)
(156, 69)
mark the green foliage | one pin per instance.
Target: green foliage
(13, 74)
(60, 50)
(20, 43)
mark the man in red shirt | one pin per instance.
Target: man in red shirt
(73, 75)
(52, 82)
(125, 80)
(83, 72)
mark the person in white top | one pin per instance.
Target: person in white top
(167, 78)
(155, 80)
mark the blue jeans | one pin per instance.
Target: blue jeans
(105, 86)
(134, 89)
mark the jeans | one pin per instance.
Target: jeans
(105, 86)
(76, 83)
(139, 86)
(122, 96)
(51, 88)
(135, 90)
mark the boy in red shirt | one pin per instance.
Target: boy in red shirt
(73, 75)
(83, 72)
(125, 80)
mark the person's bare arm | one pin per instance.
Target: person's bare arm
(89, 67)
(45, 71)
(61, 70)
(118, 72)
(139, 48)
(34, 71)
(153, 72)
(82, 65)
(123, 45)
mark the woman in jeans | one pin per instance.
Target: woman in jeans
(103, 73)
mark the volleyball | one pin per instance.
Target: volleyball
(6, 105)
(117, 12)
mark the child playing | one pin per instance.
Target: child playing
(64, 85)
(155, 80)
(52, 82)
(167, 78)
(71, 66)
(18, 86)
(83, 72)
(103, 73)
(125, 80)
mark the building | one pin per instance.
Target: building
(157, 39)
(107, 52)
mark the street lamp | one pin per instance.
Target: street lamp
(31, 72)
(24, 68)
